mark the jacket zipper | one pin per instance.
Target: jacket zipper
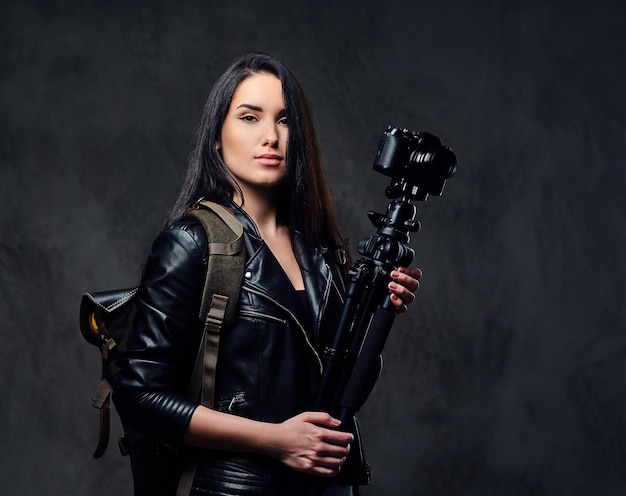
(326, 297)
(265, 316)
(293, 317)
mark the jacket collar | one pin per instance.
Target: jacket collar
(265, 275)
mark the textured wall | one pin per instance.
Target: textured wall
(506, 377)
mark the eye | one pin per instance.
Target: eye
(248, 118)
(283, 120)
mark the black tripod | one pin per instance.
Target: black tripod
(419, 166)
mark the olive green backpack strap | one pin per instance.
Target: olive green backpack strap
(226, 260)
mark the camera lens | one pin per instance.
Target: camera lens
(439, 164)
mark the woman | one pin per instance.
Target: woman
(257, 154)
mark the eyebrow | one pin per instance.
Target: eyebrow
(251, 107)
(259, 109)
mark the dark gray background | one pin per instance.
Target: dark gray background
(507, 377)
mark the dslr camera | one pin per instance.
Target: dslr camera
(418, 163)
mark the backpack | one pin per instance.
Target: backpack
(106, 317)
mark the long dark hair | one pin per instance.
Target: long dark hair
(305, 203)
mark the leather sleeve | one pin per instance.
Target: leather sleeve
(154, 366)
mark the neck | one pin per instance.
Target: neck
(261, 207)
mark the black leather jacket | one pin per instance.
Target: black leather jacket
(269, 362)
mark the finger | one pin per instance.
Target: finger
(409, 272)
(321, 418)
(402, 292)
(398, 303)
(408, 280)
(335, 450)
(338, 438)
(323, 472)
(414, 272)
(333, 463)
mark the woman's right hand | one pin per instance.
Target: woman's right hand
(309, 443)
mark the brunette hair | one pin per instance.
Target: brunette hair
(306, 203)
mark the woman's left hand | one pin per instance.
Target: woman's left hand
(404, 284)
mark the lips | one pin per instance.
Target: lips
(269, 159)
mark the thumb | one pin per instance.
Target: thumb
(322, 418)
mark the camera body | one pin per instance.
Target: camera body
(418, 163)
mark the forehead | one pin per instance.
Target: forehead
(259, 88)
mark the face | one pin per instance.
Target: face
(254, 133)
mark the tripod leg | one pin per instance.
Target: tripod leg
(335, 353)
(358, 387)
(357, 336)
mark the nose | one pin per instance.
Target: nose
(270, 135)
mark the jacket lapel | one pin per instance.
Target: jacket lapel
(317, 279)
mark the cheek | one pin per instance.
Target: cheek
(230, 143)
(231, 159)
